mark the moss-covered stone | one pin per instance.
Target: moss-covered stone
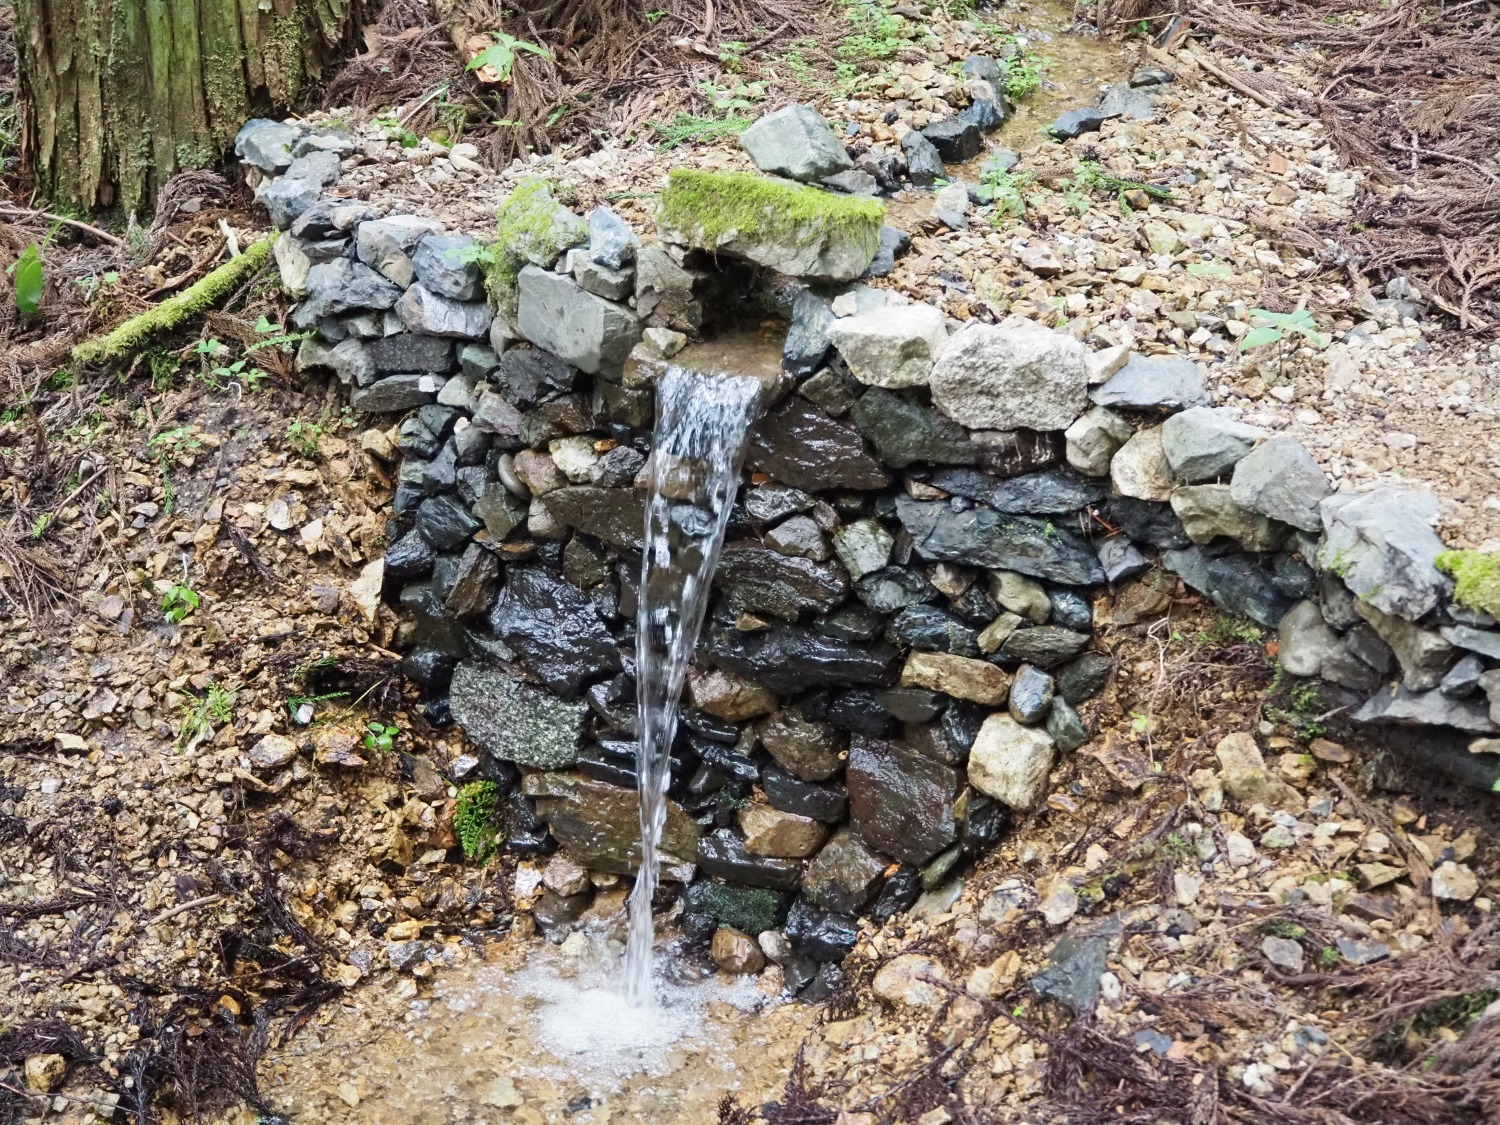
(751, 910)
(1476, 577)
(530, 227)
(791, 228)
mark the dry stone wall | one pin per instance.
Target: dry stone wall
(902, 629)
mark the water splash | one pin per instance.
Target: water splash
(695, 467)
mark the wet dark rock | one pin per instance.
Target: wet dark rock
(501, 512)
(723, 855)
(1234, 583)
(823, 935)
(924, 165)
(983, 67)
(768, 503)
(583, 565)
(411, 556)
(429, 667)
(599, 824)
(911, 705)
(893, 588)
(1030, 695)
(1075, 123)
(728, 760)
(615, 515)
(1147, 521)
(807, 340)
(1045, 645)
(445, 522)
(751, 910)
(905, 432)
(394, 393)
(975, 606)
(790, 659)
(956, 139)
(979, 537)
(757, 579)
(852, 622)
(799, 536)
(1144, 76)
(986, 113)
(1050, 492)
(800, 445)
(1010, 453)
(930, 629)
(960, 726)
(826, 802)
(856, 711)
(843, 876)
(1065, 725)
(1084, 677)
(893, 244)
(900, 803)
(898, 895)
(1071, 610)
(514, 721)
(1076, 964)
(555, 628)
(473, 583)
(810, 749)
(984, 822)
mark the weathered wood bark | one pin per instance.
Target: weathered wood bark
(122, 94)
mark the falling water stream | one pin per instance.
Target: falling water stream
(696, 456)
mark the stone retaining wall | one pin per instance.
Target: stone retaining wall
(901, 633)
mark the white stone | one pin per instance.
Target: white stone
(1018, 375)
(1010, 762)
(891, 347)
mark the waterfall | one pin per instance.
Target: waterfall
(695, 467)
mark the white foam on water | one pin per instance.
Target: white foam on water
(583, 1027)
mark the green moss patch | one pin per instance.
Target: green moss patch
(720, 206)
(530, 227)
(750, 910)
(1476, 575)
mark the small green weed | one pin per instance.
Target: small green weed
(1021, 75)
(878, 32)
(396, 131)
(1227, 631)
(303, 437)
(178, 602)
(380, 738)
(295, 703)
(474, 819)
(29, 277)
(200, 716)
(1268, 327)
(1007, 192)
(1328, 957)
(500, 56)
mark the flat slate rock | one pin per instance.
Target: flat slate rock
(800, 445)
(791, 659)
(1153, 382)
(1234, 583)
(979, 537)
(1052, 491)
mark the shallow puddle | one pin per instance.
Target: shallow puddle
(542, 1036)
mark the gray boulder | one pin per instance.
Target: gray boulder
(923, 164)
(602, 281)
(297, 189)
(1423, 654)
(396, 392)
(1280, 479)
(586, 330)
(1209, 511)
(664, 289)
(1131, 104)
(1019, 375)
(385, 245)
(1306, 641)
(1382, 545)
(1203, 443)
(266, 144)
(1153, 382)
(440, 266)
(424, 311)
(514, 721)
(612, 244)
(891, 347)
(342, 286)
(1399, 704)
(795, 142)
(1094, 439)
